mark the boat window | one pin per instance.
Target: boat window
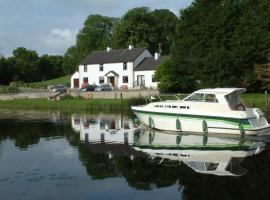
(187, 107)
(235, 102)
(174, 106)
(156, 106)
(198, 97)
(167, 106)
(183, 107)
(161, 106)
(211, 166)
(210, 98)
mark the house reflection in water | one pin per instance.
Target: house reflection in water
(113, 135)
(205, 154)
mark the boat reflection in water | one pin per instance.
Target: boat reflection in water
(207, 154)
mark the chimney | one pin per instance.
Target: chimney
(156, 56)
(130, 47)
(109, 49)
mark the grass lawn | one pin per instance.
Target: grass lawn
(65, 80)
(72, 104)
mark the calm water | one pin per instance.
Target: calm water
(52, 155)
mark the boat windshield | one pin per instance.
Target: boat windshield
(235, 102)
(202, 97)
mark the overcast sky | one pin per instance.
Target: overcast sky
(50, 26)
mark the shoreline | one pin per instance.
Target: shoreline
(73, 104)
(81, 104)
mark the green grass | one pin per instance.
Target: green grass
(65, 80)
(8, 89)
(72, 104)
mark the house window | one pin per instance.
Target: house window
(101, 67)
(101, 79)
(140, 80)
(85, 68)
(153, 78)
(124, 66)
(125, 79)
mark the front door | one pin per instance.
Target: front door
(111, 80)
(76, 82)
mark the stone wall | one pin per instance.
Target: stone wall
(126, 94)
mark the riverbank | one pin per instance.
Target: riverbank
(74, 104)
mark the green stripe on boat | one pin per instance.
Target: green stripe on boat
(245, 123)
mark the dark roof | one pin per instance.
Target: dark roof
(113, 56)
(150, 63)
(113, 72)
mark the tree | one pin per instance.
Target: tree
(144, 28)
(50, 67)
(71, 60)
(26, 64)
(262, 72)
(165, 26)
(219, 41)
(5, 71)
(95, 35)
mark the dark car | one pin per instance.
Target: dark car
(59, 88)
(103, 87)
(88, 88)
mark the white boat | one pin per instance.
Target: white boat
(218, 110)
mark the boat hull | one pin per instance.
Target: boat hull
(200, 124)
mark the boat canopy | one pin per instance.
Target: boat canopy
(223, 91)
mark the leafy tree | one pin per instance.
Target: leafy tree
(143, 28)
(165, 24)
(263, 73)
(71, 60)
(95, 35)
(50, 67)
(5, 71)
(219, 41)
(26, 64)
(168, 77)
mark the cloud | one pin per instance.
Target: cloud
(58, 38)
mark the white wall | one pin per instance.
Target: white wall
(148, 78)
(93, 73)
(75, 75)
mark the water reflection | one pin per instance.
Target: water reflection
(111, 157)
(206, 154)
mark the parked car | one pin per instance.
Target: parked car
(59, 88)
(104, 87)
(88, 88)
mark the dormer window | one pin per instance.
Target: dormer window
(124, 66)
(101, 67)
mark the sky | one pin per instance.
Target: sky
(50, 26)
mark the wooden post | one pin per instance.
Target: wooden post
(266, 100)
(121, 95)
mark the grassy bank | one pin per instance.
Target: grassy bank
(8, 89)
(73, 104)
(65, 80)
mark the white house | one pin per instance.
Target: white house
(121, 68)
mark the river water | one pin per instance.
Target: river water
(54, 155)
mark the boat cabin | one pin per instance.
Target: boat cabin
(228, 96)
